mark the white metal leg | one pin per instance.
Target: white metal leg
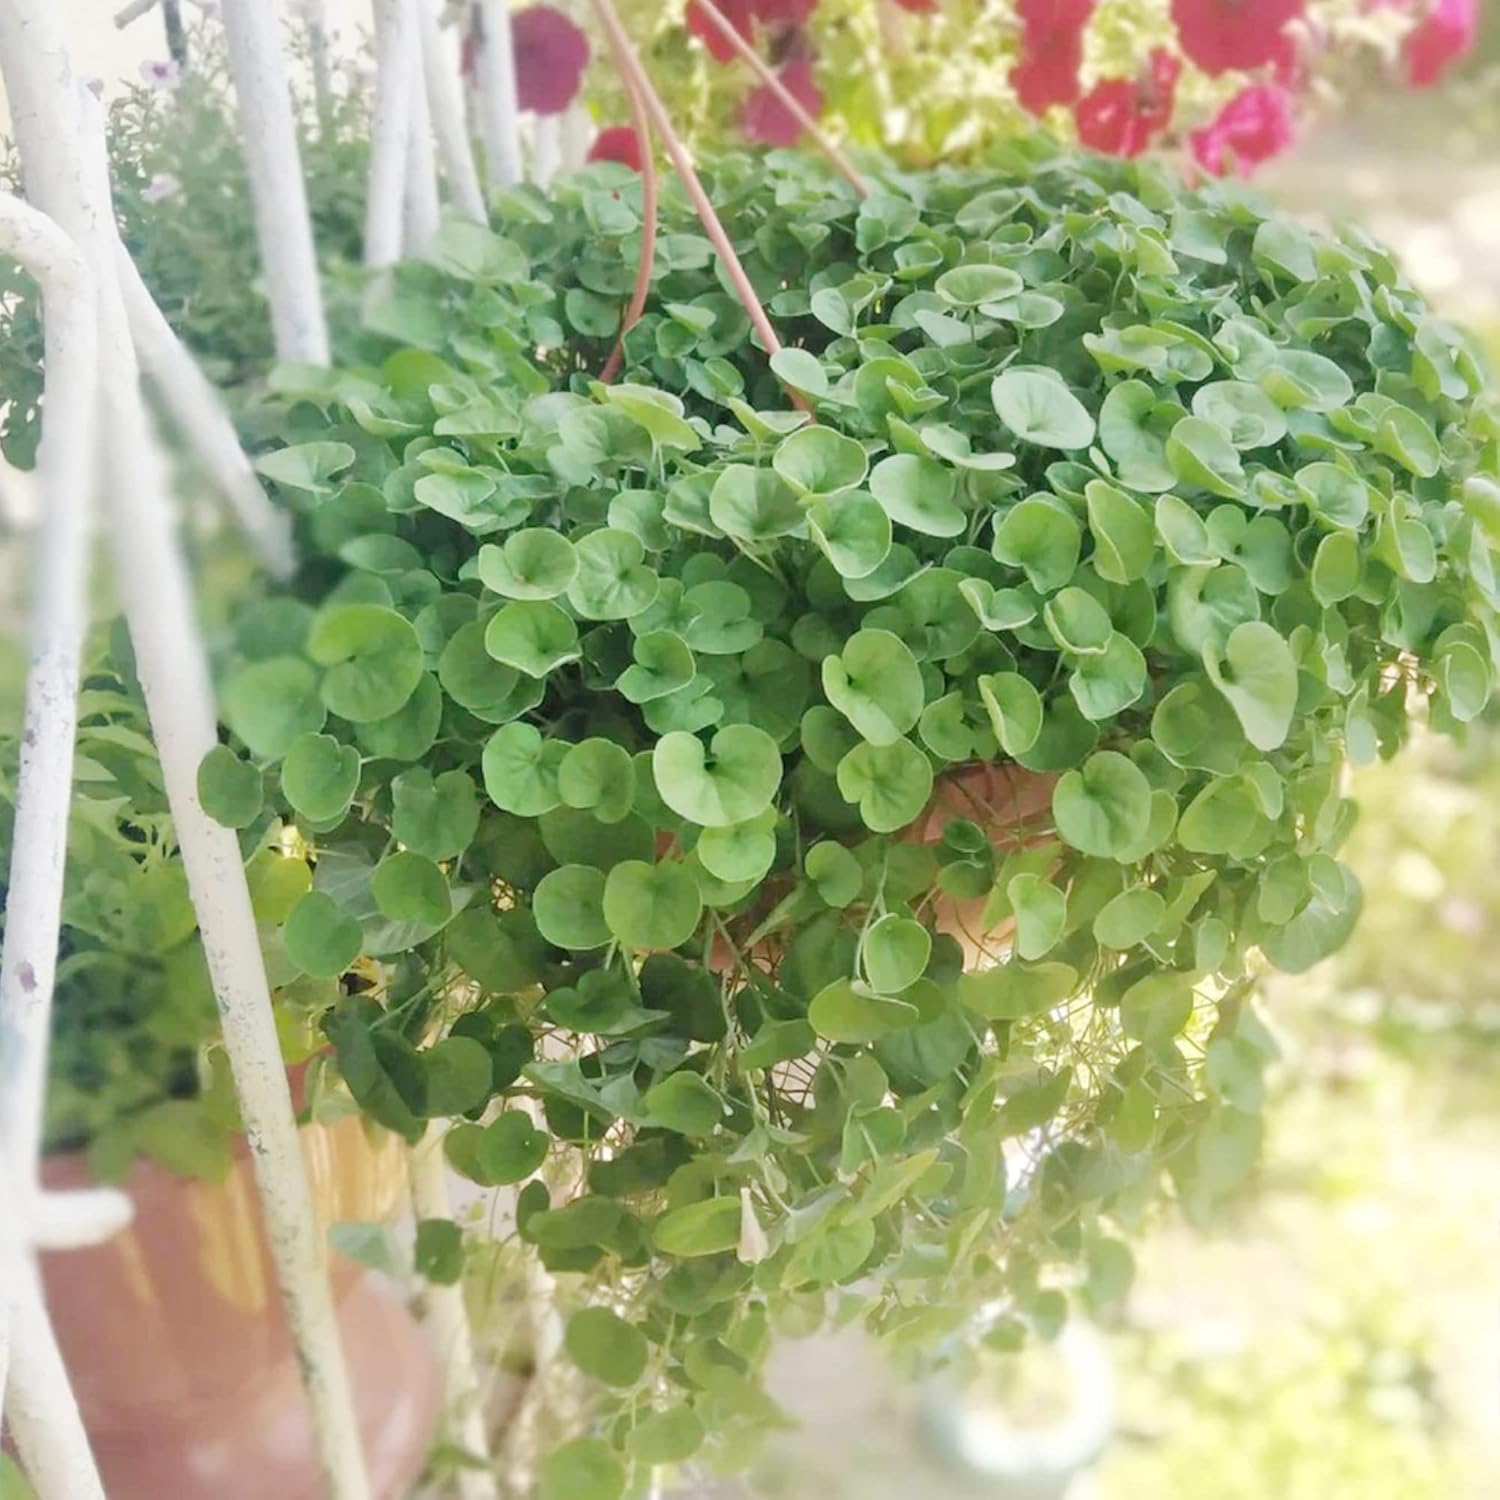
(388, 133)
(268, 134)
(448, 1322)
(446, 109)
(421, 213)
(499, 116)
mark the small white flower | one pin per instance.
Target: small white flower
(161, 187)
(161, 74)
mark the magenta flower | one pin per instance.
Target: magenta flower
(1224, 36)
(551, 54)
(617, 143)
(768, 120)
(1254, 126)
(1445, 34)
(1120, 116)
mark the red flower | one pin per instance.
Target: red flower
(783, 12)
(551, 54)
(1051, 52)
(1225, 35)
(1439, 39)
(1253, 126)
(618, 143)
(768, 120)
(1120, 115)
(742, 15)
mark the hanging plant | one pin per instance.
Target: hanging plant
(646, 737)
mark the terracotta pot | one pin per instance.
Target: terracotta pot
(178, 1347)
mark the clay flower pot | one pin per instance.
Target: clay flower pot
(178, 1348)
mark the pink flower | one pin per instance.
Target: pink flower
(1051, 52)
(1252, 127)
(1223, 36)
(783, 12)
(1439, 39)
(551, 54)
(165, 75)
(161, 187)
(918, 7)
(768, 120)
(1120, 116)
(617, 143)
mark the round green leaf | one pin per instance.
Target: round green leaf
(876, 684)
(801, 370)
(1155, 1009)
(533, 636)
(663, 664)
(308, 467)
(1015, 710)
(320, 938)
(651, 906)
(847, 1011)
(598, 775)
(511, 1148)
(709, 1227)
(1106, 683)
(410, 888)
(1404, 436)
(1337, 568)
(229, 789)
(438, 816)
(852, 531)
(1124, 536)
(1078, 622)
(1134, 423)
(742, 851)
(373, 657)
(319, 777)
(1040, 409)
(407, 734)
(894, 953)
(603, 1345)
(477, 682)
(584, 1468)
(457, 1074)
(1298, 378)
(820, 461)
(891, 783)
(972, 286)
(267, 704)
(613, 582)
(1201, 455)
(1334, 494)
(1258, 675)
(755, 505)
(521, 770)
(1129, 918)
(835, 872)
(1041, 536)
(568, 906)
(1183, 533)
(671, 1436)
(683, 1102)
(731, 780)
(918, 493)
(1041, 912)
(1104, 809)
(533, 564)
(1244, 411)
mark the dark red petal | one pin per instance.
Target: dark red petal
(1226, 35)
(918, 7)
(618, 143)
(783, 12)
(551, 54)
(768, 120)
(1047, 73)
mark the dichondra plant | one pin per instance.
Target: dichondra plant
(821, 857)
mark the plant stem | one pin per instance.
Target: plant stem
(650, 212)
(794, 106)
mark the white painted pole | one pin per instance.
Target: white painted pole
(49, 1431)
(445, 106)
(388, 133)
(154, 587)
(196, 408)
(268, 136)
(577, 136)
(546, 149)
(499, 115)
(46, 107)
(421, 211)
(315, 25)
(448, 1323)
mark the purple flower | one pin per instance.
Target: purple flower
(161, 75)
